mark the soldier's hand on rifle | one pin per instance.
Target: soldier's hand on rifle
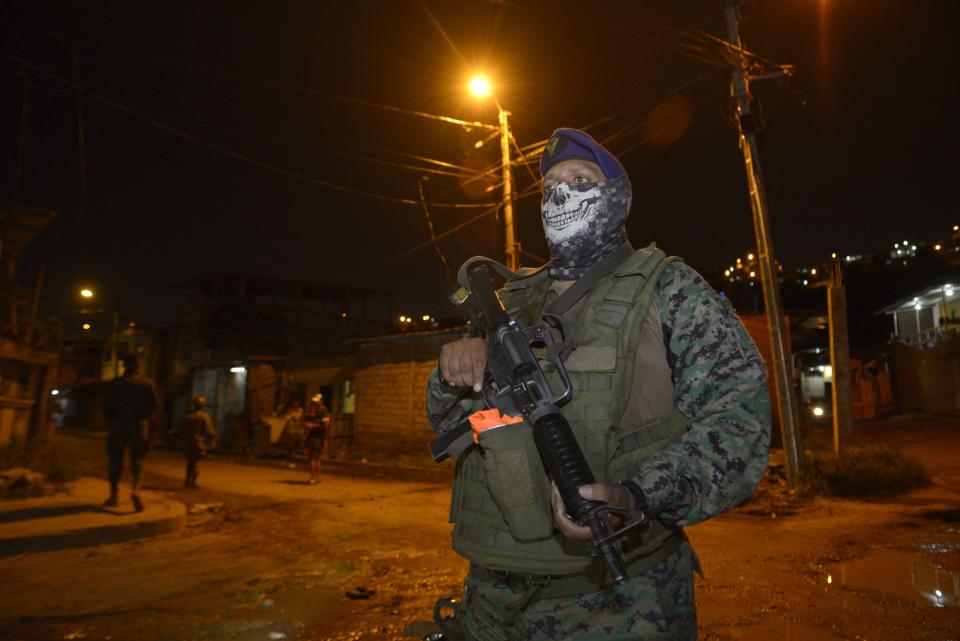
(462, 362)
(615, 495)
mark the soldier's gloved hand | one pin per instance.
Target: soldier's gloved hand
(615, 495)
(462, 362)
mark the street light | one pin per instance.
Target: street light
(88, 294)
(481, 87)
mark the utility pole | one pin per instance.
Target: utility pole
(747, 122)
(512, 249)
(81, 142)
(839, 358)
(115, 344)
(24, 111)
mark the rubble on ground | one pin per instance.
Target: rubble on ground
(22, 482)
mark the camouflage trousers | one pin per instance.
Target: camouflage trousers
(655, 605)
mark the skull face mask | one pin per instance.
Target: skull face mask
(583, 223)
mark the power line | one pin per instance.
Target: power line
(460, 171)
(273, 84)
(234, 154)
(433, 235)
(450, 231)
(411, 112)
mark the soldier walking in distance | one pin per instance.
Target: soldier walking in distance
(128, 402)
(198, 436)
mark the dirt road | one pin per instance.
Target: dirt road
(266, 556)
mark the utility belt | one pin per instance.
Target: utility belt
(534, 587)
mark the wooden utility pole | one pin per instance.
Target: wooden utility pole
(81, 141)
(747, 122)
(839, 358)
(512, 249)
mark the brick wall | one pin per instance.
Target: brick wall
(756, 326)
(391, 393)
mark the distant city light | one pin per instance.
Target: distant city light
(749, 256)
(956, 228)
(753, 274)
(805, 281)
(833, 255)
(85, 326)
(948, 291)
(55, 392)
(403, 319)
(818, 411)
(937, 247)
(86, 293)
(918, 307)
(813, 271)
(343, 314)
(238, 370)
(739, 261)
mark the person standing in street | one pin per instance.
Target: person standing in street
(316, 421)
(197, 437)
(127, 405)
(669, 407)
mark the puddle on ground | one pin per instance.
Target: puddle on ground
(283, 614)
(782, 632)
(914, 576)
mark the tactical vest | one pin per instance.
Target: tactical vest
(501, 494)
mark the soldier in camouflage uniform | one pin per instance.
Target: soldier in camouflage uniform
(197, 436)
(693, 360)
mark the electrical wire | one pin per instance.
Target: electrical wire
(433, 235)
(452, 230)
(458, 170)
(289, 143)
(234, 154)
(411, 112)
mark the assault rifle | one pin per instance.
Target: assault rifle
(515, 384)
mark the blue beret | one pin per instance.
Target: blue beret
(570, 144)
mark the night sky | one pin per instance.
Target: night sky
(860, 145)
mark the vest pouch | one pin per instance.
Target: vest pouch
(630, 446)
(517, 481)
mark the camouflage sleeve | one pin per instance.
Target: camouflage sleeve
(447, 406)
(720, 386)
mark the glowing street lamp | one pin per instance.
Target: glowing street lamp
(86, 293)
(86, 326)
(481, 87)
